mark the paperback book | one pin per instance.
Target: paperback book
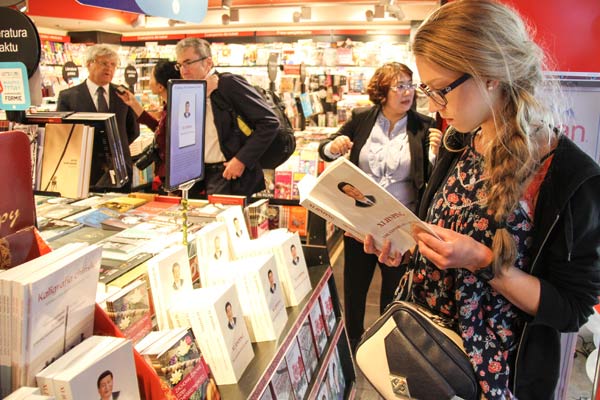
(295, 364)
(215, 315)
(318, 328)
(349, 198)
(129, 309)
(307, 348)
(327, 308)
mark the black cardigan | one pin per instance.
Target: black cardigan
(359, 127)
(565, 257)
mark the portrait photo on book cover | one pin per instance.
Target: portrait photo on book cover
(360, 199)
(294, 253)
(177, 279)
(105, 384)
(272, 283)
(218, 252)
(231, 318)
(237, 228)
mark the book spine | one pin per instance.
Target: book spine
(6, 334)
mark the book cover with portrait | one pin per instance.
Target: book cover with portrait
(169, 273)
(327, 308)
(212, 244)
(237, 229)
(215, 315)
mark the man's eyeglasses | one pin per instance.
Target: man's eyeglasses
(186, 64)
(401, 87)
(106, 64)
(439, 95)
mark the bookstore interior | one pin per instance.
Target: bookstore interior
(136, 294)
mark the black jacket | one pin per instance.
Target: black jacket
(566, 259)
(359, 127)
(78, 99)
(248, 103)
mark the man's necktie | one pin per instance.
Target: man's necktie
(102, 105)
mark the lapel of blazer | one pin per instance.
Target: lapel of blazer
(84, 96)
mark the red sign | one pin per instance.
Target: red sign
(44, 37)
(151, 38)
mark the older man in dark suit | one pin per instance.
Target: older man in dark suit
(98, 94)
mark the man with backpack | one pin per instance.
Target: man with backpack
(232, 150)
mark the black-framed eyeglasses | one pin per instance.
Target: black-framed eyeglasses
(401, 87)
(187, 63)
(439, 95)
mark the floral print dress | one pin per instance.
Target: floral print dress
(488, 323)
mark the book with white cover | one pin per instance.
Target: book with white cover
(111, 372)
(215, 315)
(259, 290)
(307, 348)
(10, 326)
(293, 358)
(350, 199)
(212, 245)
(234, 220)
(318, 328)
(45, 376)
(291, 265)
(169, 273)
(327, 309)
(58, 312)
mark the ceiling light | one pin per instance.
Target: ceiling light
(22, 6)
(140, 21)
(369, 15)
(296, 16)
(225, 19)
(226, 4)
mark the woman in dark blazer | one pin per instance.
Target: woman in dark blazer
(395, 146)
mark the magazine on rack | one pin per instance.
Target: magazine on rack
(351, 200)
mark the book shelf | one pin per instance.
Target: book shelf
(268, 355)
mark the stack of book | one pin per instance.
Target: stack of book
(291, 265)
(48, 308)
(214, 314)
(101, 366)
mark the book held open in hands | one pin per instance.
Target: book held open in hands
(351, 200)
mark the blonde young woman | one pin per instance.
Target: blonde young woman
(515, 203)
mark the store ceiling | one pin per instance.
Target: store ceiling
(62, 16)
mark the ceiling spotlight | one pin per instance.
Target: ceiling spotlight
(296, 16)
(21, 5)
(226, 4)
(225, 19)
(396, 12)
(369, 15)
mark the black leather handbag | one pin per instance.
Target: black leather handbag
(411, 353)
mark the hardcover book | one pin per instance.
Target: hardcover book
(297, 219)
(67, 158)
(84, 234)
(346, 196)
(123, 203)
(227, 199)
(215, 315)
(283, 185)
(51, 229)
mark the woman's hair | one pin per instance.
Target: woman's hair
(385, 77)
(490, 41)
(165, 70)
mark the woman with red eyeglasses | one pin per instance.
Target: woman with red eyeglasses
(395, 146)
